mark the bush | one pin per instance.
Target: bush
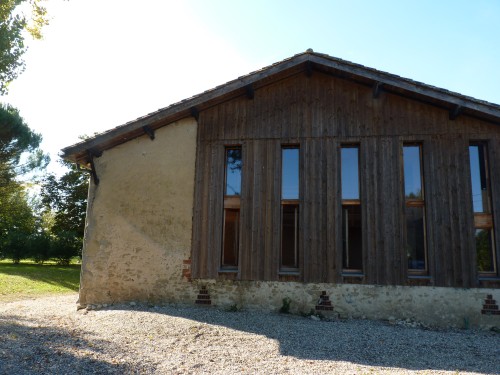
(65, 246)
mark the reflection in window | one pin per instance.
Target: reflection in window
(233, 171)
(290, 236)
(289, 259)
(415, 245)
(290, 174)
(232, 193)
(231, 238)
(484, 248)
(350, 172)
(478, 179)
(351, 238)
(412, 172)
(483, 218)
(352, 250)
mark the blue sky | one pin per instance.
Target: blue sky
(103, 63)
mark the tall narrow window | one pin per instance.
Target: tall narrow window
(414, 209)
(232, 194)
(481, 203)
(289, 259)
(352, 253)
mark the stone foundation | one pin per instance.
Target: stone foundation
(433, 306)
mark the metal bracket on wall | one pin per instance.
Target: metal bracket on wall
(195, 113)
(91, 155)
(249, 91)
(455, 112)
(309, 69)
(377, 89)
(149, 131)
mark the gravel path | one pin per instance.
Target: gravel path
(48, 336)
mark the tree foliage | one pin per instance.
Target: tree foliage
(16, 140)
(66, 198)
(14, 20)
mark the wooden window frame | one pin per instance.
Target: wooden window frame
(413, 202)
(293, 203)
(484, 220)
(231, 202)
(345, 203)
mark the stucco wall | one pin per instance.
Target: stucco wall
(139, 219)
(434, 306)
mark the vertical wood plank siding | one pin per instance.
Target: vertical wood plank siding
(320, 114)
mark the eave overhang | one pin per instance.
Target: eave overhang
(307, 62)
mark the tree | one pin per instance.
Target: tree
(19, 154)
(16, 222)
(66, 197)
(13, 21)
(16, 139)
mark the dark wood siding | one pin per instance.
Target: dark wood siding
(320, 114)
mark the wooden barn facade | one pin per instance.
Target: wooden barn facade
(313, 172)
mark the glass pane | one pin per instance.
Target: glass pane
(478, 178)
(233, 171)
(484, 249)
(290, 236)
(290, 173)
(231, 238)
(351, 238)
(415, 241)
(350, 173)
(412, 172)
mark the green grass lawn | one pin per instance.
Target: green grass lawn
(30, 280)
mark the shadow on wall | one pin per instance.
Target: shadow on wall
(370, 343)
(43, 350)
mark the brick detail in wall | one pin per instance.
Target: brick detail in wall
(186, 269)
(324, 303)
(490, 306)
(203, 297)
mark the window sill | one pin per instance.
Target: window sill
(489, 278)
(290, 272)
(352, 274)
(228, 270)
(422, 277)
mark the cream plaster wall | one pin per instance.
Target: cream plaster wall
(434, 306)
(139, 219)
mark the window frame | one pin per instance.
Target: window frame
(345, 203)
(230, 202)
(484, 220)
(290, 203)
(415, 203)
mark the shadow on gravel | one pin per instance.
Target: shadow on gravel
(364, 342)
(32, 350)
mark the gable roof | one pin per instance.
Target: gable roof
(308, 61)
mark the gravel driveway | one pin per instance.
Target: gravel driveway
(48, 336)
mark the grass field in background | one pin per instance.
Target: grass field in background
(31, 280)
